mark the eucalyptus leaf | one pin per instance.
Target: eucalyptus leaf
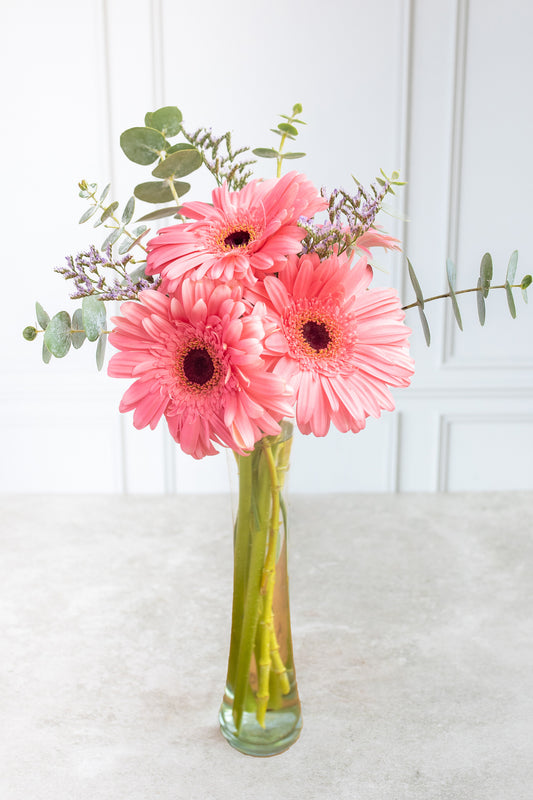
(293, 155)
(104, 194)
(481, 310)
(100, 351)
(510, 299)
(57, 335)
(178, 164)
(511, 268)
(110, 240)
(159, 213)
(425, 326)
(109, 211)
(143, 145)
(451, 273)
(159, 191)
(179, 146)
(297, 108)
(42, 317)
(167, 120)
(46, 354)
(265, 152)
(456, 312)
(526, 281)
(148, 119)
(128, 211)
(87, 214)
(93, 316)
(78, 332)
(415, 284)
(126, 244)
(288, 129)
(485, 272)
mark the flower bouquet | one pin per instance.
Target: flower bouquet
(242, 317)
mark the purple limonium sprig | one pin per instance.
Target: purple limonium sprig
(85, 270)
(349, 216)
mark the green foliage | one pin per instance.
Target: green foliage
(143, 145)
(482, 289)
(57, 334)
(93, 317)
(78, 330)
(29, 333)
(179, 163)
(285, 130)
(160, 191)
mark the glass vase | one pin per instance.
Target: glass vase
(260, 713)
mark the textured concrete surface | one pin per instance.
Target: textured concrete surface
(412, 634)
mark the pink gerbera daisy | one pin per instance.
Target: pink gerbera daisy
(196, 359)
(241, 235)
(339, 344)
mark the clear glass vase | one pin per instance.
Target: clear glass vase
(260, 713)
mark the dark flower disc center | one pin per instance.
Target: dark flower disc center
(316, 334)
(198, 366)
(237, 239)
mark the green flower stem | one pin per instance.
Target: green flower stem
(240, 567)
(268, 580)
(252, 598)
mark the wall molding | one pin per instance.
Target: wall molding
(446, 422)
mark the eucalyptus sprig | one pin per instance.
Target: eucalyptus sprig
(285, 130)
(107, 217)
(61, 331)
(484, 285)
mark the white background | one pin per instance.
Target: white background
(439, 90)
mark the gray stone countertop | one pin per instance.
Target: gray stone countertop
(412, 630)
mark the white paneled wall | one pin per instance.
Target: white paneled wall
(439, 90)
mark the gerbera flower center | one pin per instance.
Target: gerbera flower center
(236, 236)
(316, 334)
(197, 367)
(237, 239)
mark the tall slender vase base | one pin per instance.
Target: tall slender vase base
(282, 729)
(260, 713)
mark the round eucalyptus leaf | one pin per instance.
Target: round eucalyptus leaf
(148, 119)
(100, 351)
(159, 191)
(57, 334)
(78, 332)
(167, 120)
(93, 317)
(297, 108)
(42, 317)
(178, 164)
(29, 333)
(143, 145)
(293, 155)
